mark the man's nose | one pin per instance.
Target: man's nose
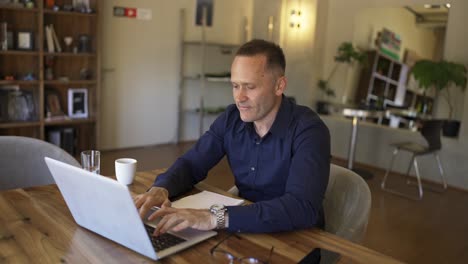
(240, 95)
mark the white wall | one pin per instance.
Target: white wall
(141, 62)
(263, 9)
(400, 21)
(139, 83)
(300, 46)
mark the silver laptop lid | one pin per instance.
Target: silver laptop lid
(102, 205)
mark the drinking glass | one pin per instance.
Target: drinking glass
(91, 161)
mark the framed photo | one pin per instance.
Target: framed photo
(24, 40)
(52, 104)
(208, 6)
(78, 103)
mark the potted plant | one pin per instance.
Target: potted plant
(442, 75)
(345, 54)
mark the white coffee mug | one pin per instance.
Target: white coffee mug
(125, 170)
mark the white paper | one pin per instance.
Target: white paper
(204, 200)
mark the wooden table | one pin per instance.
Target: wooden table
(37, 227)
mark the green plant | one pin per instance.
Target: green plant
(346, 53)
(440, 75)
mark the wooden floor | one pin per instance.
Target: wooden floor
(434, 230)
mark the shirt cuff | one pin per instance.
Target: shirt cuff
(238, 216)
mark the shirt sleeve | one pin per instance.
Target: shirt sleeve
(193, 166)
(301, 204)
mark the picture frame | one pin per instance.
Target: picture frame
(53, 107)
(200, 4)
(24, 40)
(78, 102)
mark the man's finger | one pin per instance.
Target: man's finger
(144, 209)
(139, 201)
(166, 203)
(157, 229)
(181, 226)
(173, 219)
(161, 212)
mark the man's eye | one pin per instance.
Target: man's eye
(250, 87)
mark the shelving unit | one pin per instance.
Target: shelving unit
(199, 94)
(67, 69)
(418, 99)
(383, 81)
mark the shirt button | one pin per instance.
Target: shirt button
(252, 168)
(258, 142)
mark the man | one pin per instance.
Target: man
(279, 153)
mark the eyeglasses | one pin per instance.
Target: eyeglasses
(224, 256)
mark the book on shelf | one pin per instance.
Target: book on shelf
(54, 137)
(63, 138)
(68, 140)
(57, 46)
(49, 39)
(52, 41)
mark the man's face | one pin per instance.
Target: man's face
(255, 88)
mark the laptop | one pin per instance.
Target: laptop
(106, 207)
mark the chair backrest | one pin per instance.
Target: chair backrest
(431, 132)
(347, 204)
(22, 162)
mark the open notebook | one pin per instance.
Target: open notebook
(204, 200)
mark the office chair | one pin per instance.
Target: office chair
(22, 162)
(346, 204)
(430, 130)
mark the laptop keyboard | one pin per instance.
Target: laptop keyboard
(162, 241)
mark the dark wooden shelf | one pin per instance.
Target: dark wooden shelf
(68, 121)
(68, 13)
(72, 82)
(20, 52)
(19, 82)
(69, 54)
(19, 124)
(21, 9)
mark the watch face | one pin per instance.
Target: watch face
(216, 207)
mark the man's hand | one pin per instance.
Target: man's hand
(178, 219)
(156, 196)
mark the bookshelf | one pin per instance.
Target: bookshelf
(383, 80)
(39, 71)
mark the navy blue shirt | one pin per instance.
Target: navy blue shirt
(285, 173)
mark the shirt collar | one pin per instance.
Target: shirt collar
(279, 126)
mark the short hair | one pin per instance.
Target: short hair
(273, 53)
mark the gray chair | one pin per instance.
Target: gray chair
(346, 204)
(22, 162)
(430, 130)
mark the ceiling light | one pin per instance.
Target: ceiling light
(448, 5)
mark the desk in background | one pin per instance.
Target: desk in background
(356, 114)
(37, 227)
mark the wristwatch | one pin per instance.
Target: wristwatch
(219, 210)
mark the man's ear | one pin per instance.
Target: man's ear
(281, 85)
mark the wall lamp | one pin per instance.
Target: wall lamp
(295, 19)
